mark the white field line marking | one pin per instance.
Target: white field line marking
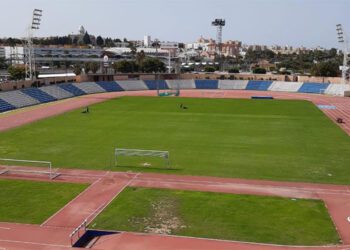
(96, 212)
(5, 228)
(35, 243)
(69, 203)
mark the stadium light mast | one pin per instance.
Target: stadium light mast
(29, 50)
(342, 39)
(219, 24)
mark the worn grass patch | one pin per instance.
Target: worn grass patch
(220, 216)
(33, 202)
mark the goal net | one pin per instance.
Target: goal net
(25, 167)
(142, 154)
(174, 91)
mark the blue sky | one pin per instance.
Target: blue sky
(293, 22)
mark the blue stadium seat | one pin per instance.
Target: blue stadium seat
(72, 89)
(152, 84)
(39, 95)
(206, 84)
(5, 106)
(315, 88)
(110, 86)
(258, 85)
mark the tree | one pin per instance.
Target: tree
(99, 41)
(87, 67)
(125, 66)
(109, 42)
(233, 70)
(77, 69)
(152, 65)
(326, 69)
(133, 50)
(140, 57)
(86, 38)
(253, 56)
(12, 42)
(75, 41)
(209, 69)
(94, 66)
(17, 73)
(259, 71)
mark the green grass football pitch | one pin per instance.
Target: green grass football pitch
(34, 202)
(220, 216)
(258, 139)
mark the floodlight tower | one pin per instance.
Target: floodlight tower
(29, 50)
(219, 24)
(343, 39)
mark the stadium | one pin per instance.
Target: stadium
(175, 164)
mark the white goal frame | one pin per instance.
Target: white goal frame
(142, 153)
(18, 168)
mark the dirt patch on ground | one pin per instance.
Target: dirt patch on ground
(164, 218)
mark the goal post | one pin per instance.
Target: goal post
(8, 166)
(141, 153)
(174, 91)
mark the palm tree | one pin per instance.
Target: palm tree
(94, 67)
(87, 67)
(133, 51)
(140, 57)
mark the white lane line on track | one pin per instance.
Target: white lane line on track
(69, 203)
(103, 206)
(5, 228)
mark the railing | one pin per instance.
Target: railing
(76, 231)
